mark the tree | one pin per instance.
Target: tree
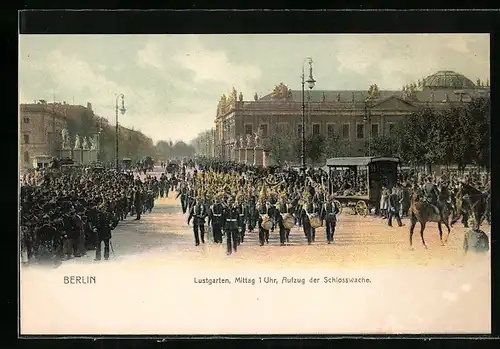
(315, 147)
(280, 145)
(336, 146)
(384, 145)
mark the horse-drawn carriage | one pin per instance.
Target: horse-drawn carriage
(374, 172)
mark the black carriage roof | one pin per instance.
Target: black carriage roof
(360, 161)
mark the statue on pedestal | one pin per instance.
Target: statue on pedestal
(243, 142)
(237, 143)
(94, 142)
(78, 142)
(257, 139)
(85, 144)
(250, 141)
(66, 142)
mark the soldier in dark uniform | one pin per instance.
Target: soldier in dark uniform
(279, 212)
(231, 219)
(307, 209)
(242, 219)
(329, 215)
(215, 218)
(191, 198)
(183, 194)
(199, 213)
(263, 209)
(252, 214)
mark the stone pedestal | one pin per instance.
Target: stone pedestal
(78, 156)
(66, 153)
(236, 154)
(233, 154)
(258, 159)
(265, 159)
(249, 156)
(93, 155)
(241, 155)
(85, 157)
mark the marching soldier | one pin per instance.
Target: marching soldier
(243, 218)
(215, 218)
(231, 219)
(282, 210)
(329, 215)
(199, 213)
(183, 194)
(263, 211)
(307, 210)
(252, 214)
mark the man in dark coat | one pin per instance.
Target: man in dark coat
(394, 207)
(138, 203)
(105, 225)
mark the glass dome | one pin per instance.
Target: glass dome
(448, 79)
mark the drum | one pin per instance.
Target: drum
(267, 223)
(315, 221)
(288, 221)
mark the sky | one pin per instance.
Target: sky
(172, 83)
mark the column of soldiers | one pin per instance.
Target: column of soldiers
(233, 205)
(73, 212)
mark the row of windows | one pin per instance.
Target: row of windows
(26, 137)
(316, 130)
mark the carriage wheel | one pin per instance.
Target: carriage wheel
(361, 208)
(339, 205)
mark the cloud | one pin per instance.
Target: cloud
(207, 66)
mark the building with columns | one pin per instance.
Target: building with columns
(352, 115)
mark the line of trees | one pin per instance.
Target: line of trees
(458, 135)
(168, 149)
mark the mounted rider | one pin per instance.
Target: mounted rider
(431, 195)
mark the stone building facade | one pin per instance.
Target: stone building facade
(40, 131)
(352, 115)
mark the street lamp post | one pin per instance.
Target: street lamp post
(122, 110)
(310, 84)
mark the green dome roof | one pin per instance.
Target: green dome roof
(448, 79)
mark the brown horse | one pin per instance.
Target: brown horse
(423, 213)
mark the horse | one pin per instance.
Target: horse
(475, 203)
(423, 213)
